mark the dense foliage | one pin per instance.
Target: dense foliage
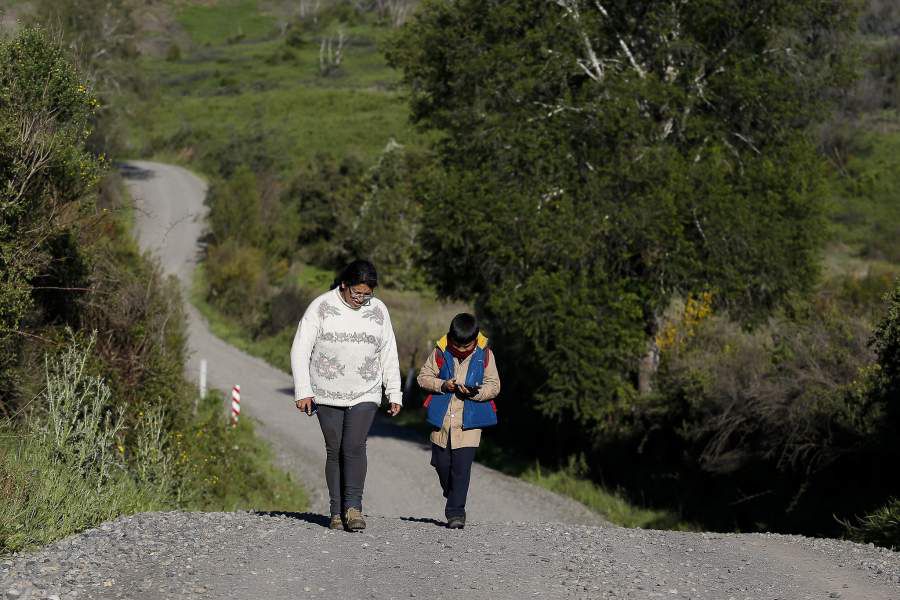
(45, 114)
(93, 424)
(599, 160)
(783, 426)
(632, 186)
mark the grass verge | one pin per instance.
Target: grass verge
(232, 468)
(78, 460)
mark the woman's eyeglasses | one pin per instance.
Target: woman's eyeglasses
(362, 299)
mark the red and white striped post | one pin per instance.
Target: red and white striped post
(235, 405)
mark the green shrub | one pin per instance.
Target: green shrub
(45, 120)
(794, 421)
(325, 196)
(238, 284)
(781, 393)
(387, 226)
(881, 527)
(225, 468)
(173, 53)
(141, 353)
(67, 469)
(234, 209)
(74, 463)
(285, 308)
(886, 343)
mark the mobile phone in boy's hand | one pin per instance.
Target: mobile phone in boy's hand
(470, 390)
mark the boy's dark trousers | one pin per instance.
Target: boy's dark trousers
(454, 469)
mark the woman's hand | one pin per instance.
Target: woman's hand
(448, 387)
(393, 409)
(305, 405)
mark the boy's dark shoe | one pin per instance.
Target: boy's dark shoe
(353, 519)
(456, 522)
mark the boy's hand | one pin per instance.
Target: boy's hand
(466, 392)
(449, 386)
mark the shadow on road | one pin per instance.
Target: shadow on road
(424, 520)
(314, 518)
(133, 172)
(383, 427)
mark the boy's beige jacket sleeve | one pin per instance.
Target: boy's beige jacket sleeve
(428, 375)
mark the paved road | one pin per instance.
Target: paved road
(400, 483)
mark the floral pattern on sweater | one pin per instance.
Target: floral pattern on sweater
(343, 337)
(370, 369)
(328, 366)
(327, 310)
(374, 314)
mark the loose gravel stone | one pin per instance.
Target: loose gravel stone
(253, 555)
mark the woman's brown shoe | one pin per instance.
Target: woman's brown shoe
(353, 519)
(336, 522)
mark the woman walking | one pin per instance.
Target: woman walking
(343, 353)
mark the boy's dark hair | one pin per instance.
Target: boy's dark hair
(463, 329)
(357, 272)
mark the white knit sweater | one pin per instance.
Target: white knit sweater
(342, 357)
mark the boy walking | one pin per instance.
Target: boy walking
(461, 375)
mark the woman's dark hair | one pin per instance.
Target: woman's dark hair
(463, 329)
(357, 272)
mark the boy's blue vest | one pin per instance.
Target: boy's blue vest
(475, 414)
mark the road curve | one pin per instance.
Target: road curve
(170, 213)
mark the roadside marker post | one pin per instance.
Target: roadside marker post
(203, 390)
(203, 378)
(235, 405)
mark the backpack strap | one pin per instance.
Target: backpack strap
(439, 357)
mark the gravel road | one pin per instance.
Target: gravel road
(520, 541)
(245, 555)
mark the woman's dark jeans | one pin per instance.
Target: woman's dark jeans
(345, 430)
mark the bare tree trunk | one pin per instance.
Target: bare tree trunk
(331, 57)
(399, 10)
(647, 368)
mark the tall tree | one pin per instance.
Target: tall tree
(600, 156)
